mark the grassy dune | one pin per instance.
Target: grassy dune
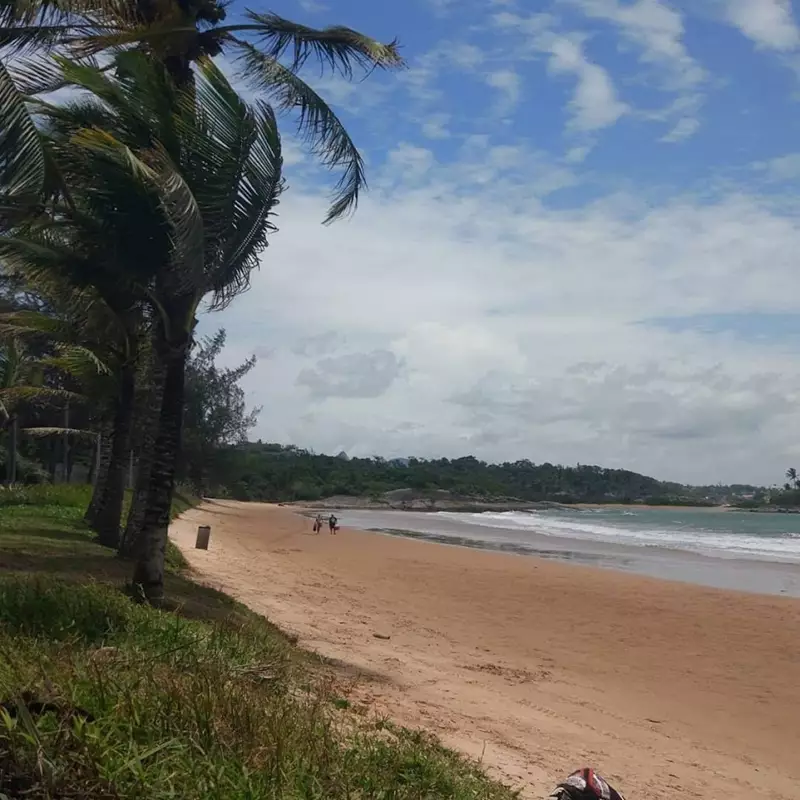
(105, 698)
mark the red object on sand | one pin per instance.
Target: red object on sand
(586, 784)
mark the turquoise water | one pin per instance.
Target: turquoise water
(725, 549)
(733, 534)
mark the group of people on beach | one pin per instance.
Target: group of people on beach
(333, 524)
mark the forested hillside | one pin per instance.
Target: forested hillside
(273, 472)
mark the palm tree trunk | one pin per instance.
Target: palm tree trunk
(109, 511)
(65, 445)
(95, 459)
(11, 456)
(103, 460)
(149, 570)
(147, 419)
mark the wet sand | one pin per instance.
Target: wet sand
(537, 667)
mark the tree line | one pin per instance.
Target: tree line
(788, 496)
(137, 188)
(276, 473)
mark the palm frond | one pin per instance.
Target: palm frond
(38, 75)
(256, 196)
(163, 180)
(23, 40)
(43, 431)
(22, 154)
(337, 47)
(234, 165)
(39, 258)
(317, 124)
(48, 23)
(104, 143)
(34, 76)
(30, 12)
(76, 360)
(10, 362)
(135, 100)
(156, 36)
(40, 395)
(91, 78)
(182, 210)
(33, 322)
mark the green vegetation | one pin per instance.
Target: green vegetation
(276, 473)
(106, 698)
(786, 498)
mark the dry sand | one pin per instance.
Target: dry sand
(672, 690)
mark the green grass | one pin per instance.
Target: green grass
(42, 528)
(206, 701)
(70, 495)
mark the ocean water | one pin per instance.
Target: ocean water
(727, 549)
(710, 532)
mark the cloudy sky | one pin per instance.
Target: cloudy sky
(580, 242)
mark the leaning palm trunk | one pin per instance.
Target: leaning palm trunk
(109, 510)
(148, 574)
(147, 420)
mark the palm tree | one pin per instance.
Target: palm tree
(105, 337)
(23, 384)
(181, 41)
(267, 52)
(791, 474)
(172, 195)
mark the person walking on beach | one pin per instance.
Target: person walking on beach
(332, 524)
(318, 524)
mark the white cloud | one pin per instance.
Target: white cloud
(423, 73)
(355, 375)
(466, 56)
(768, 23)
(441, 7)
(507, 83)
(657, 31)
(356, 96)
(782, 168)
(292, 150)
(313, 6)
(434, 126)
(683, 129)
(594, 104)
(472, 317)
(409, 162)
(575, 155)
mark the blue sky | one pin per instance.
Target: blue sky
(626, 80)
(579, 244)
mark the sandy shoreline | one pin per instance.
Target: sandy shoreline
(721, 570)
(671, 689)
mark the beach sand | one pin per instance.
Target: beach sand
(535, 667)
